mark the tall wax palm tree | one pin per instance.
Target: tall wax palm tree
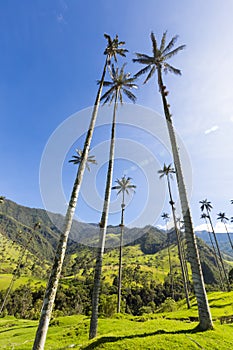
(113, 48)
(166, 217)
(168, 171)
(123, 186)
(205, 217)
(206, 205)
(222, 217)
(52, 285)
(158, 62)
(121, 83)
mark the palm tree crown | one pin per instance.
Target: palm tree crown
(77, 159)
(222, 217)
(124, 185)
(166, 171)
(121, 82)
(205, 204)
(165, 216)
(113, 49)
(160, 55)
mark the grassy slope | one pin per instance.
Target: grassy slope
(158, 331)
(10, 253)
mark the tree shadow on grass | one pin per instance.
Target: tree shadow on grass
(112, 339)
(15, 328)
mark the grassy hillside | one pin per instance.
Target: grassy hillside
(155, 331)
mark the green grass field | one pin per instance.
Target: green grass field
(154, 331)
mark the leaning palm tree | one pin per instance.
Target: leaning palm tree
(158, 62)
(123, 186)
(166, 217)
(206, 205)
(222, 217)
(52, 285)
(114, 48)
(168, 171)
(121, 83)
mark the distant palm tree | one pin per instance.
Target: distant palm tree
(168, 171)
(123, 186)
(158, 62)
(231, 201)
(205, 217)
(180, 225)
(206, 205)
(222, 217)
(114, 48)
(166, 217)
(120, 84)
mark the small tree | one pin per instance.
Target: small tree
(123, 186)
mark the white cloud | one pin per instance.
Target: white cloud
(60, 18)
(214, 128)
(218, 228)
(231, 119)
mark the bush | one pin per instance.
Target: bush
(168, 305)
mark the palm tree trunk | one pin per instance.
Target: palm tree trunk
(228, 236)
(179, 246)
(103, 229)
(219, 252)
(205, 319)
(120, 258)
(52, 285)
(221, 282)
(170, 262)
(184, 259)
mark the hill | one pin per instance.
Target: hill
(145, 246)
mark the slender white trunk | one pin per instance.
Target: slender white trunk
(103, 229)
(181, 258)
(219, 252)
(52, 285)
(120, 257)
(228, 236)
(221, 279)
(205, 319)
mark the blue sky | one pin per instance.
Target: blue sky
(52, 56)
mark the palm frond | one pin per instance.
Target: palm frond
(151, 73)
(107, 95)
(168, 67)
(107, 83)
(141, 55)
(154, 44)
(173, 52)
(142, 71)
(170, 45)
(147, 61)
(130, 95)
(163, 42)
